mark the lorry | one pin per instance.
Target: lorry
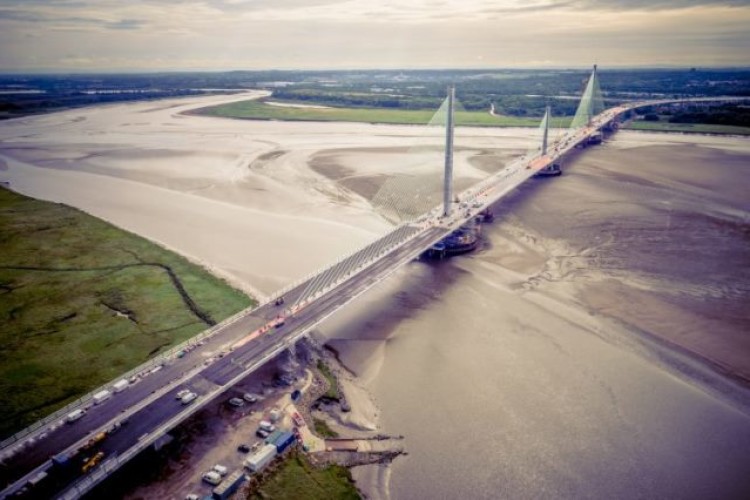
(92, 462)
(261, 458)
(229, 485)
(281, 441)
(101, 396)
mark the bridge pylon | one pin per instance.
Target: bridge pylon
(448, 178)
(591, 103)
(545, 126)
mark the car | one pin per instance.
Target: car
(212, 477)
(236, 402)
(243, 448)
(262, 433)
(296, 394)
(192, 496)
(188, 398)
(182, 393)
(298, 420)
(266, 426)
(220, 469)
(250, 398)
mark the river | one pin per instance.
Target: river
(555, 362)
(575, 355)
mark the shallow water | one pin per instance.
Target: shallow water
(506, 372)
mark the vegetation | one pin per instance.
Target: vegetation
(259, 110)
(297, 478)
(333, 389)
(323, 430)
(82, 301)
(512, 93)
(694, 128)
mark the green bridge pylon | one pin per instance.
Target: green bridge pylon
(591, 103)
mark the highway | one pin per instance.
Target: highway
(238, 346)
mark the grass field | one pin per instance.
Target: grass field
(693, 128)
(297, 478)
(322, 429)
(333, 389)
(258, 110)
(82, 301)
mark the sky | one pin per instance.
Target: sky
(168, 35)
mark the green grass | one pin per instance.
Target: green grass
(297, 478)
(695, 128)
(322, 429)
(258, 110)
(333, 390)
(60, 336)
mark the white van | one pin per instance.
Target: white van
(102, 396)
(75, 415)
(120, 385)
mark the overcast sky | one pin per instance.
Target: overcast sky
(133, 35)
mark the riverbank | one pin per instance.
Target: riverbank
(686, 128)
(222, 433)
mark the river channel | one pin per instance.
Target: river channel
(556, 361)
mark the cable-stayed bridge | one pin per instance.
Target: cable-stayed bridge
(218, 358)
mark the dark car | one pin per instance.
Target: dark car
(243, 448)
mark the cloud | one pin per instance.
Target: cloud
(240, 34)
(658, 4)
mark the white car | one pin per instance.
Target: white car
(212, 477)
(220, 469)
(182, 393)
(237, 402)
(188, 398)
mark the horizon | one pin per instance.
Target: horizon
(146, 36)
(600, 68)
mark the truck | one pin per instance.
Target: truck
(92, 462)
(94, 441)
(229, 485)
(282, 441)
(61, 460)
(101, 396)
(261, 458)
